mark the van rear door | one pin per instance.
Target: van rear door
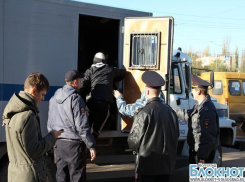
(147, 46)
(236, 100)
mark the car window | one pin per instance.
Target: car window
(218, 87)
(175, 83)
(243, 86)
(234, 87)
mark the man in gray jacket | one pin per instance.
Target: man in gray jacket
(25, 144)
(67, 112)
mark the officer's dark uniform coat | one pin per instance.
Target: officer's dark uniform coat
(203, 124)
(154, 134)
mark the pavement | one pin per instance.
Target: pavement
(231, 158)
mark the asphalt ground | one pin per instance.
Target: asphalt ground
(231, 158)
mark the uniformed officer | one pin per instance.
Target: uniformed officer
(154, 134)
(67, 112)
(203, 124)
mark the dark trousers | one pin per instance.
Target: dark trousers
(71, 161)
(98, 114)
(158, 178)
(193, 158)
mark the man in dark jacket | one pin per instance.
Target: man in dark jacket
(203, 124)
(25, 144)
(154, 134)
(67, 112)
(99, 81)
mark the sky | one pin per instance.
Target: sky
(197, 23)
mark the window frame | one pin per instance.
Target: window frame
(243, 87)
(172, 73)
(230, 87)
(131, 56)
(216, 89)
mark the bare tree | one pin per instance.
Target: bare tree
(242, 67)
(218, 65)
(226, 46)
(206, 51)
(236, 57)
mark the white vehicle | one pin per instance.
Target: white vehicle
(53, 36)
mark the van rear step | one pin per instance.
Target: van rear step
(112, 159)
(112, 166)
(96, 172)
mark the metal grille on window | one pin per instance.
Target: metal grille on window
(144, 52)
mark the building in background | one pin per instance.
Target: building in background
(226, 59)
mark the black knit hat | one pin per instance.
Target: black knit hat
(99, 57)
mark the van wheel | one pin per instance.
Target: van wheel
(4, 168)
(52, 168)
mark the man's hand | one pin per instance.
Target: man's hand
(57, 133)
(93, 154)
(116, 94)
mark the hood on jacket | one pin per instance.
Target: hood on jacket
(63, 93)
(19, 103)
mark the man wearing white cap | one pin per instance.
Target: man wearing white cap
(98, 81)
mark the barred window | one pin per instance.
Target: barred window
(144, 50)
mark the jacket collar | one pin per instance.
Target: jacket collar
(153, 99)
(98, 65)
(198, 107)
(207, 99)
